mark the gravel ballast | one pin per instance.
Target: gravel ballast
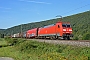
(66, 42)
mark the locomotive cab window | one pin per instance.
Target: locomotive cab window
(63, 25)
(58, 26)
(68, 25)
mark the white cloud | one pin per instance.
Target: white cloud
(4, 9)
(38, 2)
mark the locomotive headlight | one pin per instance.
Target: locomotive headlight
(64, 29)
(70, 30)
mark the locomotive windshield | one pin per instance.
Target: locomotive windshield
(63, 25)
(66, 25)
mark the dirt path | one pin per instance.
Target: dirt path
(6, 58)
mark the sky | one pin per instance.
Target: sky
(16, 12)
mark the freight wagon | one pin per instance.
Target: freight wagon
(17, 35)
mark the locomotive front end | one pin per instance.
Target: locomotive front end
(67, 31)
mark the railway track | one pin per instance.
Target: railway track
(81, 43)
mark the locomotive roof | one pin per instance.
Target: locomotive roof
(64, 22)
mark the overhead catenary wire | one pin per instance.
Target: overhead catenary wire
(72, 11)
(61, 15)
(75, 9)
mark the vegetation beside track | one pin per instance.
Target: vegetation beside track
(21, 49)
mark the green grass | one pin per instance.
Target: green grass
(20, 49)
(2, 42)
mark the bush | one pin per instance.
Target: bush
(52, 56)
(26, 46)
(76, 38)
(13, 41)
(86, 36)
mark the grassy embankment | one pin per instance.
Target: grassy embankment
(20, 49)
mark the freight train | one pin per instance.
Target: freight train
(55, 31)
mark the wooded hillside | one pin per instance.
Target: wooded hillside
(2, 30)
(80, 24)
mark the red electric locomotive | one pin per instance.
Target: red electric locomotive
(56, 31)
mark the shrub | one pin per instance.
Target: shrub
(13, 41)
(86, 36)
(76, 38)
(53, 56)
(26, 46)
